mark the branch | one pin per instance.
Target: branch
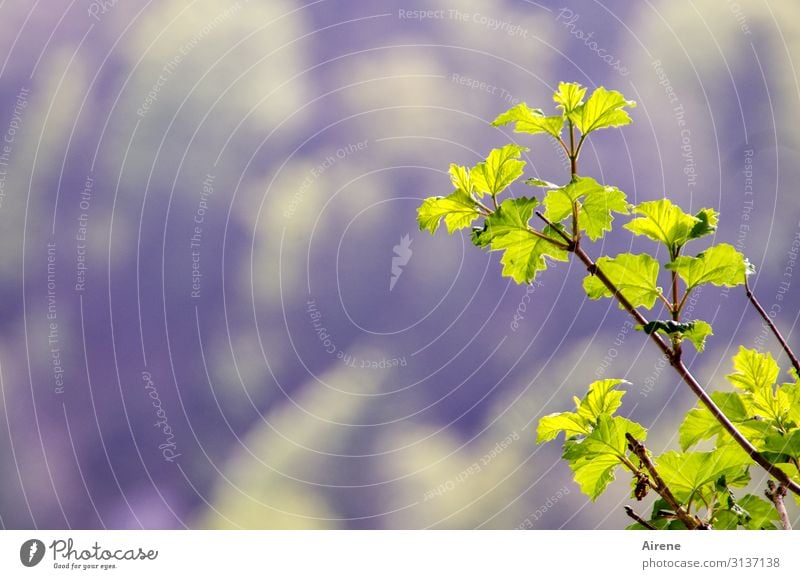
(630, 512)
(563, 235)
(690, 380)
(573, 155)
(555, 242)
(637, 448)
(676, 314)
(481, 206)
(775, 493)
(753, 300)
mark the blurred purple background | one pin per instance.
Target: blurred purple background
(200, 208)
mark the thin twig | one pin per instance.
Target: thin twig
(632, 514)
(541, 235)
(753, 300)
(676, 315)
(776, 493)
(482, 206)
(563, 235)
(665, 300)
(573, 157)
(637, 448)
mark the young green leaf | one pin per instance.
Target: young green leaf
(533, 182)
(706, 223)
(596, 204)
(458, 210)
(530, 120)
(525, 254)
(501, 168)
(461, 179)
(690, 474)
(569, 97)
(605, 108)
(699, 424)
(720, 265)
(570, 423)
(791, 391)
(602, 398)
(754, 371)
(697, 334)
(756, 374)
(595, 215)
(665, 222)
(507, 230)
(512, 215)
(594, 458)
(695, 331)
(759, 514)
(634, 275)
(788, 443)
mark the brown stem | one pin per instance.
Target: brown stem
(637, 448)
(573, 156)
(753, 300)
(563, 235)
(632, 514)
(776, 494)
(665, 301)
(676, 315)
(482, 206)
(690, 380)
(555, 242)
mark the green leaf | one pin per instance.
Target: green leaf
(725, 520)
(461, 179)
(720, 265)
(595, 215)
(533, 182)
(569, 97)
(788, 444)
(512, 215)
(605, 108)
(665, 222)
(697, 334)
(602, 398)
(706, 223)
(594, 474)
(570, 423)
(501, 168)
(756, 374)
(525, 255)
(507, 230)
(596, 204)
(594, 458)
(695, 331)
(530, 120)
(558, 202)
(699, 424)
(634, 275)
(458, 210)
(754, 371)
(690, 474)
(759, 513)
(791, 391)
